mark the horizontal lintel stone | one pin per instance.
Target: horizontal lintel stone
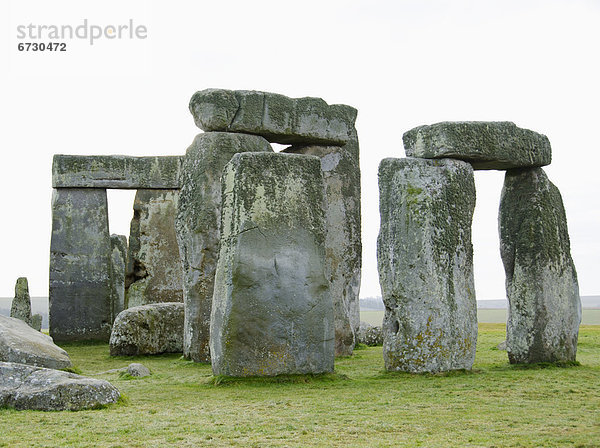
(487, 145)
(277, 118)
(116, 171)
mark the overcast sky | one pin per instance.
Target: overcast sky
(400, 63)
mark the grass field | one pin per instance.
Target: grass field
(495, 405)
(493, 316)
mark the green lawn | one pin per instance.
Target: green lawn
(493, 316)
(496, 405)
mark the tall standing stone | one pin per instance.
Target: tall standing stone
(425, 261)
(21, 304)
(118, 257)
(80, 266)
(541, 282)
(198, 228)
(343, 249)
(154, 272)
(272, 309)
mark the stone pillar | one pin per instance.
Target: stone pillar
(154, 272)
(343, 248)
(118, 257)
(541, 282)
(21, 304)
(80, 266)
(272, 309)
(197, 226)
(425, 261)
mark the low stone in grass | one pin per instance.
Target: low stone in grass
(21, 343)
(24, 387)
(148, 330)
(138, 370)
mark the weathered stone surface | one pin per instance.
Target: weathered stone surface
(487, 145)
(369, 335)
(21, 343)
(197, 225)
(25, 387)
(541, 282)
(277, 118)
(118, 244)
(126, 172)
(343, 248)
(148, 330)
(272, 309)
(138, 370)
(36, 322)
(80, 266)
(154, 270)
(425, 261)
(21, 304)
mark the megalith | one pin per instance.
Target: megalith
(272, 309)
(487, 145)
(343, 249)
(21, 304)
(80, 266)
(118, 244)
(425, 262)
(198, 228)
(154, 273)
(541, 282)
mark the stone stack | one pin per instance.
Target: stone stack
(246, 121)
(84, 285)
(424, 248)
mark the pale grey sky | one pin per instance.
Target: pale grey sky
(400, 63)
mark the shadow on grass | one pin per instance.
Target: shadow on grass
(222, 380)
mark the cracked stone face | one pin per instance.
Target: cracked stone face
(425, 263)
(197, 226)
(541, 282)
(272, 309)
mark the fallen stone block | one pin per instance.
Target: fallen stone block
(24, 387)
(148, 330)
(487, 145)
(23, 344)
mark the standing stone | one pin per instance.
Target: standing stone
(21, 304)
(343, 249)
(154, 273)
(272, 309)
(425, 261)
(198, 228)
(118, 244)
(80, 266)
(541, 282)
(36, 322)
